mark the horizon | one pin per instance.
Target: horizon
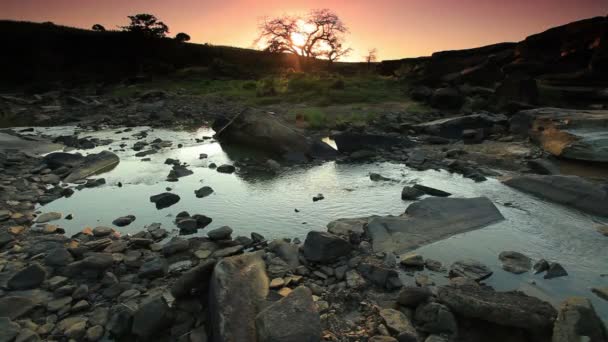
(397, 29)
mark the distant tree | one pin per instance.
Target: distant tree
(146, 24)
(371, 57)
(182, 37)
(320, 33)
(98, 27)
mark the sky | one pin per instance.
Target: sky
(396, 28)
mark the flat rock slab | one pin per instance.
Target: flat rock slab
(93, 164)
(430, 220)
(572, 191)
(512, 309)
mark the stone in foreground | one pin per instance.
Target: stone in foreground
(325, 247)
(430, 220)
(578, 321)
(294, 318)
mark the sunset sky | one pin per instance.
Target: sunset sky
(397, 28)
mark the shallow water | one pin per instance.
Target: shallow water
(266, 205)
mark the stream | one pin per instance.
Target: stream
(267, 205)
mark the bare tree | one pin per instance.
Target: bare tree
(371, 57)
(318, 34)
(146, 24)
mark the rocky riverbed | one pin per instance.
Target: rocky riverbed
(158, 234)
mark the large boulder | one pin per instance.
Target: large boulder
(93, 164)
(325, 247)
(569, 133)
(349, 142)
(238, 288)
(291, 319)
(447, 98)
(430, 220)
(512, 309)
(58, 159)
(567, 190)
(452, 128)
(578, 321)
(266, 132)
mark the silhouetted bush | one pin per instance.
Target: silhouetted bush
(182, 37)
(98, 27)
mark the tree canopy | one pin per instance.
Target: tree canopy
(182, 37)
(146, 24)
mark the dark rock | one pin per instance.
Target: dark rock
(515, 262)
(411, 296)
(578, 321)
(452, 128)
(56, 160)
(15, 307)
(376, 177)
(294, 318)
(194, 280)
(8, 329)
(233, 316)
(318, 198)
(154, 268)
(176, 245)
(93, 164)
(517, 89)
(512, 309)
(222, 233)
(380, 275)
(447, 98)
(431, 191)
(555, 270)
(410, 193)
(324, 247)
(543, 167)
(540, 266)
(102, 231)
(225, 168)
(151, 317)
(398, 323)
(348, 142)
(123, 221)
(121, 320)
(58, 257)
(203, 192)
(164, 200)
(28, 278)
(435, 318)
(421, 93)
(470, 269)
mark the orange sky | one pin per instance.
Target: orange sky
(397, 28)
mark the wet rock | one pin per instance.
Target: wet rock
(411, 260)
(293, 318)
(411, 296)
(15, 307)
(512, 309)
(28, 278)
(58, 304)
(222, 233)
(578, 321)
(58, 257)
(345, 226)
(429, 220)
(398, 323)
(376, 177)
(602, 230)
(151, 317)
(232, 316)
(123, 221)
(187, 226)
(174, 246)
(543, 167)
(203, 192)
(194, 280)
(379, 275)
(318, 197)
(94, 333)
(349, 142)
(410, 193)
(102, 231)
(540, 266)
(179, 171)
(164, 200)
(154, 268)
(324, 247)
(8, 329)
(453, 127)
(92, 165)
(471, 269)
(432, 191)
(48, 217)
(287, 252)
(435, 318)
(225, 168)
(121, 320)
(56, 160)
(515, 262)
(572, 191)
(555, 270)
(601, 292)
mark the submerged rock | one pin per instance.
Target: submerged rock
(429, 220)
(203, 192)
(572, 191)
(164, 200)
(470, 269)
(515, 262)
(93, 164)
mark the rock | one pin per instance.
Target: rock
(94, 333)
(412, 260)
(349, 142)
(15, 307)
(453, 127)
(470, 269)
(153, 268)
(8, 329)
(58, 304)
(48, 217)
(58, 257)
(225, 168)
(540, 266)
(318, 198)
(515, 262)
(151, 317)
(187, 226)
(429, 220)
(121, 321)
(435, 318)
(222, 233)
(555, 270)
(421, 93)
(379, 275)
(567, 133)
(572, 191)
(203, 192)
(447, 98)
(601, 292)
(602, 230)
(123, 221)
(174, 246)
(28, 278)
(5, 238)
(354, 280)
(194, 280)
(345, 226)
(164, 200)
(578, 321)
(543, 167)
(511, 309)
(517, 89)
(233, 316)
(431, 191)
(411, 296)
(56, 160)
(382, 339)
(93, 164)
(102, 231)
(324, 247)
(267, 132)
(293, 318)
(98, 261)
(288, 252)
(410, 193)
(376, 177)
(398, 323)
(27, 335)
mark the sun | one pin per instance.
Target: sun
(298, 39)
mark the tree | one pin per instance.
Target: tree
(146, 24)
(182, 37)
(98, 27)
(371, 57)
(320, 33)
